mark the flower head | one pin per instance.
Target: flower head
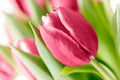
(69, 37)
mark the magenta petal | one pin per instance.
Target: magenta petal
(79, 29)
(72, 4)
(61, 45)
(27, 45)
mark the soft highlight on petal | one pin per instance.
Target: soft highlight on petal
(27, 45)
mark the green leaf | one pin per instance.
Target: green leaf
(6, 53)
(48, 5)
(86, 76)
(96, 14)
(17, 29)
(52, 64)
(116, 27)
(87, 69)
(36, 11)
(81, 69)
(34, 64)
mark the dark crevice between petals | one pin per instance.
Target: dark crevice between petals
(83, 49)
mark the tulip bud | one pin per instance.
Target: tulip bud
(6, 70)
(72, 4)
(27, 45)
(69, 37)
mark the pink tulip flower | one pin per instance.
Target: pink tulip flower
(69, 37)
(27, 45)
(23, 6)
(6, 70)
(72, 4)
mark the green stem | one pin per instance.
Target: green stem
(103, 72)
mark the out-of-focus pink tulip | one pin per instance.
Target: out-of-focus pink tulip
(69, 37)
(23, 6)
(27, 45)
(6, 70)
(72, 4)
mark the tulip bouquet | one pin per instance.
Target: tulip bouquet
(61, 40)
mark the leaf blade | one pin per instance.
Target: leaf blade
(22, 29)
(34, 64)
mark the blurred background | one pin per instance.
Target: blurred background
(6, 6)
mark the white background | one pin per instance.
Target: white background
(7, 7)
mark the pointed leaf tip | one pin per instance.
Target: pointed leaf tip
(34, 29)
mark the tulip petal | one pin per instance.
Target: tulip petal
(72, 4)
(23, 6)
(79, 29)
(62, 46)
(27, 45)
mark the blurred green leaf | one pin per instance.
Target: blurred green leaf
(86, 76)
(116, 27)
(48, 4)
(6, 53)
(36, 12)
(17, 29)
(96, 14)
(34, 64)
(52, 64)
